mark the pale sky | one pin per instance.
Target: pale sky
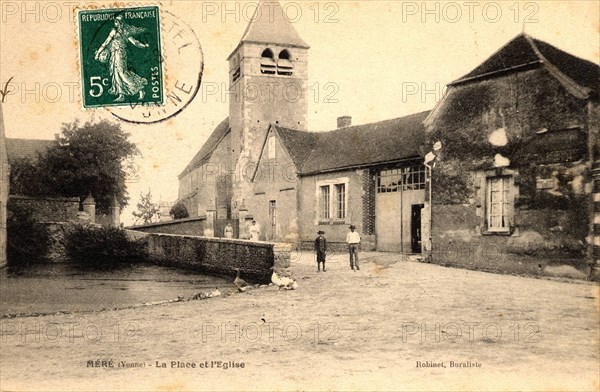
(368, 54)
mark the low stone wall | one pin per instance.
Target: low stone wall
(218, 256)
(189, 226)
(47, 209)
(538, 246)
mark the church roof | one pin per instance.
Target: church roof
(29, 149)
(209, 146)
(524, 51)
(270, 25)
(356, 146)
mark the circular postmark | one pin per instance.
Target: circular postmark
(182, 66)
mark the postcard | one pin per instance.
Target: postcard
(299, 195)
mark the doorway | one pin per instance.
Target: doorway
(415, 227)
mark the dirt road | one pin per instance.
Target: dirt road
(391, 325)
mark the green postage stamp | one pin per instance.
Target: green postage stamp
(121, 61)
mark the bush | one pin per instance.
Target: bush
(101, 246)
(179, 211)
(27, 241)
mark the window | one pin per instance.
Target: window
(499, 204)
(405, 179)
(325, 203)
(235, 68)
(284, 63)
(285, 54)
(267, 62)
(340, 198)
(332, 198)
(236, 75)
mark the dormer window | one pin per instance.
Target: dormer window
(267, 62)
(284, 63)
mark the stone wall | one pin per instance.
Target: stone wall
(48, 209)
(189, 226)
(218, 256)
(543, 242)
(4, 183)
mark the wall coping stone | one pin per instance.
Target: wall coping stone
(23, 197)
(168, 223)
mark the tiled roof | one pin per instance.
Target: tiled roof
(583, 72)
(26, 148)
(299, 144)
(209, 146)
(524, 50)
(270, 26)
(355, 146)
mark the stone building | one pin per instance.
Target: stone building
(513, 178)
(4, 183)
(371, 176)
(261, 163)
(268, 84)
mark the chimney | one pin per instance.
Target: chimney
(344, 121)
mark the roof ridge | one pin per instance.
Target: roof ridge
(275, 18)
(202, 154)
(373, 123)
(568, 82)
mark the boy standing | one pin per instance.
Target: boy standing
(353, 241)
(321, 249)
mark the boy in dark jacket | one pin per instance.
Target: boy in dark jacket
(321, 249)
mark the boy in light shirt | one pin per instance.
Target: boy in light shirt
(353, 241)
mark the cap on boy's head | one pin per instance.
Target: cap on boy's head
(352, 227)
(253, 221)
(321, 232)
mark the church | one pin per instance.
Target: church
(263, 164)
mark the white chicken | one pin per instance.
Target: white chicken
(283, 282)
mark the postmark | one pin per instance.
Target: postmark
(183, 65)
(121, 57)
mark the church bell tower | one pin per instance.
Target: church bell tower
(268, 82)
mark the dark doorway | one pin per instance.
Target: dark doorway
(415, 228)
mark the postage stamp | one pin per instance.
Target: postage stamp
(121, 57)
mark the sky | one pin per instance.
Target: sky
(372, 60)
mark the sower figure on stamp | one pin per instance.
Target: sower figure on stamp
(353, 241)
(321, 250)
(114, 50)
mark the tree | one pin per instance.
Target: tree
(86, 159)
(179, 211)
(146, 209)
(24, 178)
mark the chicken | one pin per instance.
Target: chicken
(241, 284)
(283, 282)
